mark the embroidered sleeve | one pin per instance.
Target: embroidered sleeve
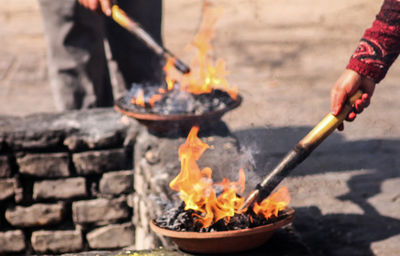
(380, 44)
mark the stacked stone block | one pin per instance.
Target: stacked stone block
(64, 182)
(91, 180)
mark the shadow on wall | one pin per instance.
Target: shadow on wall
(335, 234)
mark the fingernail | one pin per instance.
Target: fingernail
(351, 116)
(358, 105)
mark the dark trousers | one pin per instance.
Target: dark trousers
(78, 68)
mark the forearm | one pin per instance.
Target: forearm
(380, 44)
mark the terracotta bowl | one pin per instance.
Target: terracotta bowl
(181, 122)
(224, 241)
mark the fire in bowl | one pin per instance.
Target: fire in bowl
(225, 241)
(175, 121)
(181, 101)
(207, 218)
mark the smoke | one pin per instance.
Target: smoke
(247, 156)
(248, 163)
(164, 204)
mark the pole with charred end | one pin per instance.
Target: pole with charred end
(300, 152)
(120, 17)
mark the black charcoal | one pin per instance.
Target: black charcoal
(179, 219)
(176, 101)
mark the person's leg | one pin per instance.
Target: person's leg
(77, 65)
(135, 60)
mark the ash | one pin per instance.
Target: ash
(176, 101)
(177, 219)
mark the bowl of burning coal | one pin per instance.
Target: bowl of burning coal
(244, 234)
(180, 101)
(199, 97)
(162, 109)
(207, 220)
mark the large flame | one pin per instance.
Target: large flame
(205, 74)
(197, 188)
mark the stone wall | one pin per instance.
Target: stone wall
(66, 182)
(92, 180)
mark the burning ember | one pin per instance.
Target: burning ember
(209, 206)
(202, 90)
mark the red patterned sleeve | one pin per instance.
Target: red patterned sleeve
(380, 44)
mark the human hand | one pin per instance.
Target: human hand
(346, 85)
(97, 5)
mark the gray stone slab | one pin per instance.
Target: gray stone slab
(36, 215)
(99, 128)
(129, 200)
(100, 161)
(78, 130)
(7, 188)
(111, 236)
(48, 165)
(12, 241)
(100, 211)
(5, 167)
(36, 131)
(116, 183)
(58, 241)
(60, 189)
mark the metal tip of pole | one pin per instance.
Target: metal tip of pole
(182, 67)
(249, 201)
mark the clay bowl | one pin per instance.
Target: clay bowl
(224, 241)
(181, 122)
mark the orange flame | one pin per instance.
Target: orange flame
(205, 75)
(197, 188)
(154, 99)
(273, 204)
(139, 100)
(168, 68)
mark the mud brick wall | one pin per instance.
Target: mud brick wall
(66, 182)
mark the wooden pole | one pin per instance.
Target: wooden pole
(300, 152)
(120, 17)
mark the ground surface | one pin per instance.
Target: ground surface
(284, 56)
